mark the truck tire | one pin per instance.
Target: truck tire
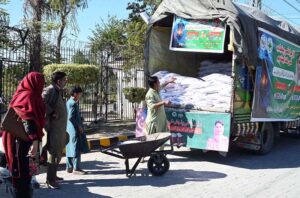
(276, 129)
(294, 133)
(266, 138)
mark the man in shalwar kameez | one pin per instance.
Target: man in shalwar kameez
(56, 123)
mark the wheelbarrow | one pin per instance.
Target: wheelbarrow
(158, 163)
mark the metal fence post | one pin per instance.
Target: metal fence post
(1, 77)
(101, 85)
(106, 93)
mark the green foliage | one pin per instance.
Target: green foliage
(12, 75)
(138, 6)
(64, 12)
(49, 26)
(136, 33)
(80, 58)
(111, 35)
(135, 94)
(57, 5)
(48, 53)
(79, 74)
(3, 11)
(4, 21)
(108, 35)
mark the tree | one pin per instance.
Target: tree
(64, 11)
(80, 58)
(135, 95)
(11, 77)
(108, 36)
(138, 6)
(48, 52)
(4, 22)
(35, 9)
(136, 31)
(3, 14)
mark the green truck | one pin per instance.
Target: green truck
(264, 58)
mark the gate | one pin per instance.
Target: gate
(13, 67)
(101, 100)
(114, 78)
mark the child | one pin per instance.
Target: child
(75, 131)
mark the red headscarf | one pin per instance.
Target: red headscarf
(28, 103)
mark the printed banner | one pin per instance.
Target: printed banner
(277, 87)
(243, 89)
(198, 35)
(202, 130)
(140, 129)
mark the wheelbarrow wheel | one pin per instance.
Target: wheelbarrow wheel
(158, 164)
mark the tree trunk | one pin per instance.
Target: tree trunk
(36, 37)
(60, 36)
(58, 46)
(59, 39)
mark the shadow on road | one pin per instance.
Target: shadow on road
(142, 178)
(98, 165)
(68, 192)
(81, 187)
(285, 154)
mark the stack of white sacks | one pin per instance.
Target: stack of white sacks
(211, 91)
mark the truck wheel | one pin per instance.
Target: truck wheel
(266, 139)
(276, 129)
(158, 164)
(294, 133)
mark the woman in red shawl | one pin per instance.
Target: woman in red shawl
(28, 104)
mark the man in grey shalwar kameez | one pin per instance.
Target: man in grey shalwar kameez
(56, 122)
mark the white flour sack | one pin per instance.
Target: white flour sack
(211, 91)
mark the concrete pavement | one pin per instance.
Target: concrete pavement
(192, 174)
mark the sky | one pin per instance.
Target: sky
(97, 9)
(282, 9)
(86, 19)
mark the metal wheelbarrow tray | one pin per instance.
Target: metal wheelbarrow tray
(158, 164)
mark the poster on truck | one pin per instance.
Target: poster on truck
(200, 130)
(277, 86)
(198, 35)
(140, 129)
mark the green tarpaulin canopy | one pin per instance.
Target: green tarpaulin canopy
(242, 20)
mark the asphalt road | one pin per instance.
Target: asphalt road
(191, 174)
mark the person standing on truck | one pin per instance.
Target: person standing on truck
(156, 120)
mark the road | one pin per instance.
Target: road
(191, 174)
